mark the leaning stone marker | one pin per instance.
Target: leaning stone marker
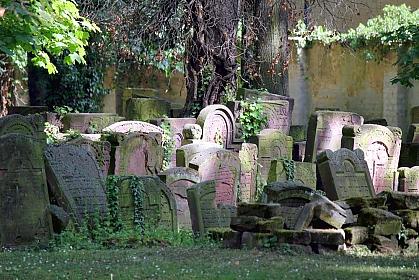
(75, 181)
(205, 212)
(248, 155)
(32, 125)
(325, 131)
(178, 180)
(345, 174)
(24, 218)
(304, 173)
(381, 146)
(158, 205)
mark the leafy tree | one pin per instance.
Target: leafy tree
(41, 28)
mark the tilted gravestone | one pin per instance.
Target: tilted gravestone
(381, 146)
(32, 125)
(157, 205)
(218, 125)
(344, 174)
(325, 131)
(178, 180)
(145, 109)
(100, 149)
(272, 145)
(24, 199)
(136, 154)
(302, 172)
(205, 212)
(223, 167)
(248, 155)
(277, 112)
(89, 122)
(187, 152)
(409, 179)
(75, 181)
(176, 129)
(132, 126)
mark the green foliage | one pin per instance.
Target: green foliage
(137, 188)
(252, 119)
(396, 30)
(72, 134)
(289, 166)
(63, 110)
(43, 28)
(168, 144)
(112, 193)
(51, 132)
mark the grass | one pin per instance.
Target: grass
(197, 262)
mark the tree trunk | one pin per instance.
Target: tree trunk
(213, 45)
(6, 79)
(273, 47)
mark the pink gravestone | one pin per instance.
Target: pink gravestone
(217, 124)
(325, 131)
(132, 126)
(277, 112)
(248, 155)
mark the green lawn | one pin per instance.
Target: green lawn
(201, 263)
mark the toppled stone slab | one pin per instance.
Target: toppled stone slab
(230, 238)
(356, 235)
(327, 236)
(381, 222)
(256, 224)
(260, 210)
(410, 218)
(399, 200)
(383, 244)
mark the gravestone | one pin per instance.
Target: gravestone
(409, 179)
(178, 180)
(89, 122)
(381, 146)
(223, 167)
(176, 128)
(298, 133)
(217, 124)
(299, 151)
(158, 204)
(192, 133)
(75, 181)
(136, 154)
(272, 144)
(132, 126)
(325, 131)
(205, 212)
(414, 114)
(304, 173)
(145, 109)
(24, 200)
(101, 150)
(32, 125)
(277, 112)
(248, 155)
(292, 197)
(187, 152)
(345, 174)
(413, 134)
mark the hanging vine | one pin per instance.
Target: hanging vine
(289, 166)
(137, 188)
(112, 194)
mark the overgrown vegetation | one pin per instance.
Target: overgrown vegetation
(252, 119)
(168, 144)
(396, 30)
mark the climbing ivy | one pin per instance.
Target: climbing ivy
(289, 166)
(252, 119)
(112, 193)
(137, 188)
(168, 144)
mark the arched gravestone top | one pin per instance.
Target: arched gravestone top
(178, 180)
(138, 154)
(381, 146)
(205, 212)
(222, 166)
(24, 219)
(132, 126)
(325, 131)
(75, 181)
(345, 174)
(185, 153)
(32, 125)
(409, 179)
(159, 206)
(217, 119)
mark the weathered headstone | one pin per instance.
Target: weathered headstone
(192, 133)
(217, 124)
(136, 154)
(272, 144)
(145, 109)
(381, 146)
(23, 192)
(325, 131)
(298, 133)
(100, 149)
(413, 134)
(158, 205)
(132, 126)
(248, 161)
(345, 174)
(89, 122)
(414, 113)
(223, 167)
(186, 153)
(178, 180)
(303, 172)
(75, 181)
(409, 179)
(277, 112)
(205, 212)
(32, 125)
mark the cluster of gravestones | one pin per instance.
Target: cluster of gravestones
(325, 186)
